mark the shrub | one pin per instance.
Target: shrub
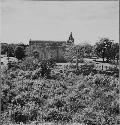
(19, 52)
(86, 69)
(36, 74)
(29, 63)
(46, 67)
(13, 65)
(36, 54)
(18, 117)
(56, 116)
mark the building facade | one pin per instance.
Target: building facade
(50, 49)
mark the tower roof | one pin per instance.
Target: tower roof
(71, 39)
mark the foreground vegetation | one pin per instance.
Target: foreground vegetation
(33, 91)
(41, 91)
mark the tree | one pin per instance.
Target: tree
(114, 51)
(74, 52)
(88, 49)
(4, 48)
(19, 52)
(7, 48)
(103, 48)
(10, 51)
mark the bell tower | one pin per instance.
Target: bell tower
(70, 41)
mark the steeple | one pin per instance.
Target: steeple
(71, 39)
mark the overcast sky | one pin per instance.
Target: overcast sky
(54, 20)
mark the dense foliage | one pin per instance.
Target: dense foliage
(7, 49)
(105, 48)
(88, 50)
(19, 52)
(10, 49)
(85, 98)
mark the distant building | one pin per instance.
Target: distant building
(50, 49)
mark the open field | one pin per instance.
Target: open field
(98, 62)
(99, 65)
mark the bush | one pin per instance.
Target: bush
(36, 74)
(18, 117)
(86, 69)
(56, 116)
(13, 65)
(36, 54)
(29, 63)
(46, 67)
(19, 52)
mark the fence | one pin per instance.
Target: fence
(105, 68)
(102, 67)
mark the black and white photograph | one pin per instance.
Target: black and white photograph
(59, 62)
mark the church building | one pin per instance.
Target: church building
(50, 49)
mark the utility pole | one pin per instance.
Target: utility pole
(77, 54)
(8, 55)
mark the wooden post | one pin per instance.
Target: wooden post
(102, 67)
(106, 67)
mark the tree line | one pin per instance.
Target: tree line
(14, 50)
(105, 48)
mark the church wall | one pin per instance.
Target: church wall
(50, 49)
(47, 50)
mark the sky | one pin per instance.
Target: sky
(22, 20)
